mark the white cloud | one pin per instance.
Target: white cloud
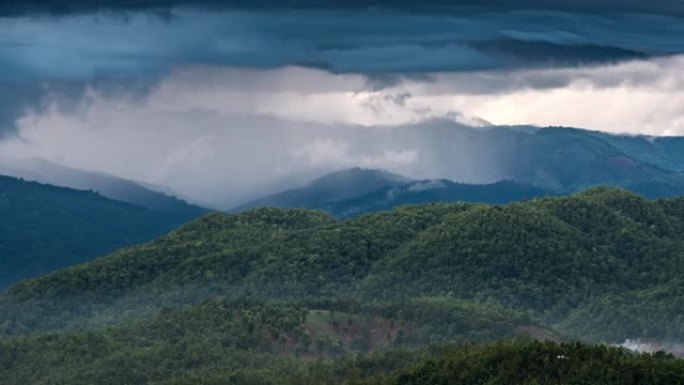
(223, 135)
(329, 153)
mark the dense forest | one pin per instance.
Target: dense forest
(251, 348)
(586, 264)
(45, 228)
(273, 295)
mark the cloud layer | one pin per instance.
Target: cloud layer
(87, 46)
(222, 135)
(426, 6)
(224, 105)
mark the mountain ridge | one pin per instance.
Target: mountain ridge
(291, 296)
(47, 227)
(615, 240)
(109, 186)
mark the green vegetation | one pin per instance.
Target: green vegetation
(231, 342)
(293, 296)
(556, 260)
(544, 363)
(45, 228)
(249, 350)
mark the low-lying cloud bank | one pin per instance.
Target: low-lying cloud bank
(224, 135)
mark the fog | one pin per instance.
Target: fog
(650, 346)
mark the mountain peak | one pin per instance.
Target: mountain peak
(331, 187)
(358, 176)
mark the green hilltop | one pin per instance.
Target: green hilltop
(252, 296)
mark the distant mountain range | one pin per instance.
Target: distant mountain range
(554, 158)
(522, 162)
(357, 191)
(568, 160)
(332, 187)
(544, 161)
(121, 189)
(504, 164)
(430, 191)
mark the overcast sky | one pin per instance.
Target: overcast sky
(207, 100)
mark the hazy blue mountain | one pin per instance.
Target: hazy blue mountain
(561, 159)
(120, 189)
(569, 160)
(428, 191)
(331, 187)
(45, 228)
(525, 162)
(664, 151)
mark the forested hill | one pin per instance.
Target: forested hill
(294, 296)
(44, 228)
(604, 264)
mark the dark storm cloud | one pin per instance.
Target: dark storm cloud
(13, 100)
(86, 47)
(19, 97)
(38, 54)
(61, 7)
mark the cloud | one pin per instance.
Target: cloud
(642, 97)
(66, 54)
(429, 6)
(139, 45)
(223, 135)
(333, 154)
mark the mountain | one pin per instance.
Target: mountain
(661, 151)
(552, 160)
(271, 295)
(560, 159)
(432, 191)
(357, 191)
(274, 295)
(45, 227)
(331, 187)
(137, 193)
(569, 160)
(558, 260)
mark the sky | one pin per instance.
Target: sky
(220, 101)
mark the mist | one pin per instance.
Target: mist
(221, 136)
(648, 346)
